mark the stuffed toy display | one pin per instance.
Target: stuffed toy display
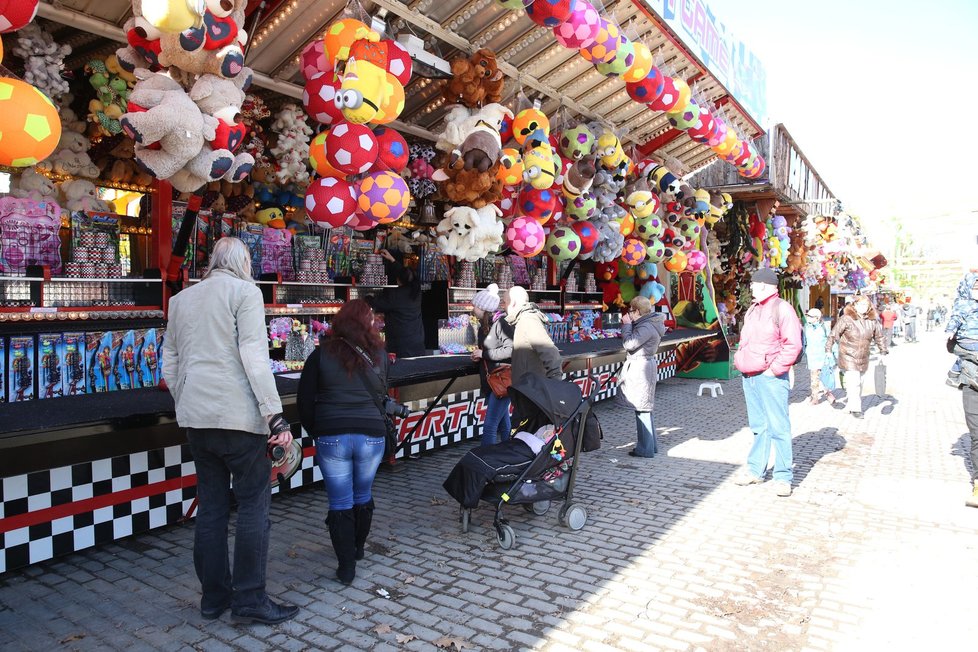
(71, 157)
(43, 60)
(476, 81)
(216, 47)
(292, 145)
(69, 119)
(470, 234)
(81, 195)
(112, 86)
(119, 165)
(36, 187)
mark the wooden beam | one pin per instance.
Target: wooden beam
(659, 141)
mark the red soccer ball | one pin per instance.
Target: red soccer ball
(317, 98)
(588, 234)
(351, 148)
(394, 153)
(330, 202)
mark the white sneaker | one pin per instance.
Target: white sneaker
(782, 488)
(747, 478)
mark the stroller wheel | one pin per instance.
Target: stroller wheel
(573, 516)
(506, 537)
(464, 516)
(539, 508)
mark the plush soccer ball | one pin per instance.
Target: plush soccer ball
(549, 13)
(718, 133)
(508, 203)
(525, 237)
(621, 62)
(313, 60)
(393, 105)
(506, 130)
(383, 196)
(351, 148)
(649, 228)
(634, 252)
(696, 261)
(29, 124)
(393, 154)
(563, 243)
(14, 14)
(330, 202)
(510, 172)
(538, 204)
(529, 121)
(605, 45)
(655, 251)
(360, 222)
(318, 98)
(511, 4)
(647, 89)
(757, 170)
(339, 37)
(674, 97)
(687, 118)
(582, 207)
(641, 63)
(318, 160)
(730, 141)
(676, 263)
(576, 142)
(581, 28)
(627, 224)
(399, 62)
(702, 131)
(588, 234)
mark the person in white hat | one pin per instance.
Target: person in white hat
(495, 339)
(815, 335)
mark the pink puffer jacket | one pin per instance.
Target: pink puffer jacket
(769, 339)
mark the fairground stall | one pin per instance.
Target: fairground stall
(475, 141)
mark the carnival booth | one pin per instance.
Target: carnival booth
(477, 141)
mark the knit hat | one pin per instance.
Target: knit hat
(487, 300)
(518, 298)
(765, 275)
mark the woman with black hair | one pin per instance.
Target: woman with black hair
(401, 307)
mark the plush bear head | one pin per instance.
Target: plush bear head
(35, 186)
(73, 141)
(218, 97)
(81, 195)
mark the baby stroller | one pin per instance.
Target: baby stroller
(512, 473)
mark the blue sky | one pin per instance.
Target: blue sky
(882, 96)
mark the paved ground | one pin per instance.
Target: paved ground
(875, 549)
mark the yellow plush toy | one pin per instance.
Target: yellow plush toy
(610, 150)
(272, 217)
(641, 204)
(174, 16)
(365, 87)
(539, 169)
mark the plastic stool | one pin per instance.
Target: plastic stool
(713, 387)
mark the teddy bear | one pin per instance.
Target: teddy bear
(81, 195)
(483, 125)
(292, 147)
(119, 165)
(35, 187)
(71, 157)
(166, 125)
(143, 46)
(216, 47)
(475, 81)
(610, 241)
(470, 234)
(69, 119)
(469, 187)
(43, 60)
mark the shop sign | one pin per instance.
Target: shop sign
(724, 55)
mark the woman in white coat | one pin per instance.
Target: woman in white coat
(641, 332)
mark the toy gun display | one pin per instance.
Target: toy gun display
(23, 379)
(115, 363)
(76, 370)
(51, 372)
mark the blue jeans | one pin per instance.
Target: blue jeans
(767, 414)
(647, 445)
(226, 459)
(349, 464)
(496, 427)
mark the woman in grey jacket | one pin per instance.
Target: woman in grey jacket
(533, 350)
(641, 332)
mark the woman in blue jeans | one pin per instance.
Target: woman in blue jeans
(337, 407)
(495, 347)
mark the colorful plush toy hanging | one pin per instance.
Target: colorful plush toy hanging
(29, 125)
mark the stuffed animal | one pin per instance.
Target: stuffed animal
(35, 187)
(71, 157)
(579, 178)
(143, 42)
(69, 119)
(43, 60)
(539, 167)
(111, 95)
(475, 81)
(271, 216)
(610, 242)
(364, 87)
(216, 47)
(610, 151)
(292, 148)
(81, 195)
(469, 187)
(119, 165)
(470, 234)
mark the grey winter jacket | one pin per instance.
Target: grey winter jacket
(533, 350)
(640, 339)
(215, 356)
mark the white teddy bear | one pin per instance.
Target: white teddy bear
(35, 187)
(81, 195)
(71, 157)
(470, 234)
(292, 147)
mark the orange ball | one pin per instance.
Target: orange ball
(641, 64)
(29, 124)
(529, 121)
(317, 158)
(392, 108)
(340, 36)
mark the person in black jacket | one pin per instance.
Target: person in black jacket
(337, 407)
(401, 307)
(495, 338)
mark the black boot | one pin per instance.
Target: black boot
(341, 532)
(363, 515)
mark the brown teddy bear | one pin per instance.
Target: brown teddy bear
(469, 187)
(475, 81)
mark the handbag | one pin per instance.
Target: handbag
(880, 378)
(391, 445)
(500, 378)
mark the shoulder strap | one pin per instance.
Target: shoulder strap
(378, 386)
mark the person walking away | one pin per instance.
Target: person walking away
(888, 317)
(337, 400)
(816, 334)
(533, 349)
(495, 340)
(215, 360)
(401, 307)
(910, 313)
(962, 328)
(855, 332)
(641, 332)
(770, 342)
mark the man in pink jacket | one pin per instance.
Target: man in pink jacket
(770, 341)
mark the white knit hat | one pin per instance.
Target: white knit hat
(487, 300)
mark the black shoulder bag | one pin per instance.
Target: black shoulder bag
(391, 445)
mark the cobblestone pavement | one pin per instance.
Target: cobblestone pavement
(875, 549)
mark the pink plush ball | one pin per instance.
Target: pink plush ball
(719, 133)
(581, 27)
(588, 234)
(313, 60)
(360, 222)
(696, 261)
(549, 13)
(351, 148)
(330, 202)
(317, 98)
(399, 62)
(525, 237)
(394, 152)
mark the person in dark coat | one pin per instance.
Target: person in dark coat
(337, 408)
(401, 307)
(641, 332)
(495, 340)
(855, 331)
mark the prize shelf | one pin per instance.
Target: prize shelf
(34, 292)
